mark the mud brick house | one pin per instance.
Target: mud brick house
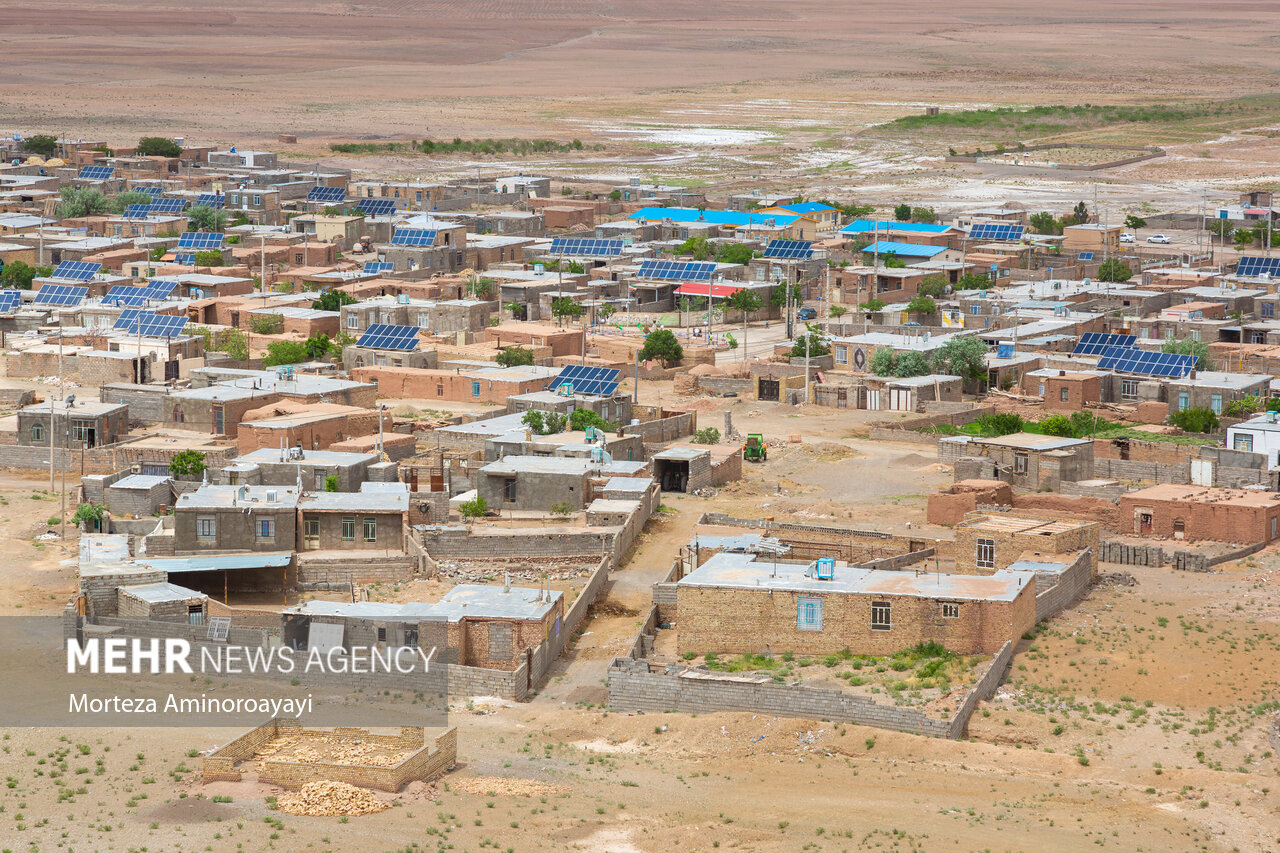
(163, 602)
(80, 424)
(219, 519)
(1215, 390)
(313, 468)
(216, 409)
(1199, 512)
(374, 518)
(686, 468)
(987, 543)
(1065, 391)
(734, 604)
(138, 495)
(536, 482)
(1028, 460)
(314, 426)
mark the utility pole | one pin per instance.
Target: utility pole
(806, 368)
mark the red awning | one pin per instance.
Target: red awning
(699, 288)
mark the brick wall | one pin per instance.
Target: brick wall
(810, 541)
(1072, 583)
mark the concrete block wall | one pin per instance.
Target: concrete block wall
(664, 429)
(1072, 583)
(1128, 469)
(362, 569)
(981, 691)
(1131, 555)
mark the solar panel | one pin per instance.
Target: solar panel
(185, 260)
(214, 200)
(1085, 256)
(160, 288)
(200, 240)
(152, 325)
(377, 206)
(602, 381)
(996, 231)
(154, 192)
(1095, 343)
(788, 249)
(9, 300)
(677, 270)
(168, 205)
(125, 295)
(1134, 360)
(96, 173)
(413, 237)
(1253, 266)
(128, 317)
(377, 267)
(387, 336)
(585, 246)
(77, 270)
(61, 294)
(331, 195)
(137, 211)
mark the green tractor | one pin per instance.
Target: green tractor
(754, 450)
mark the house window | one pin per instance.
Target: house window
(842, 355)
(950, 611)
(973, 309)
(509, 490)
(1019, 463)
(37, 432)
(353, 321)
(297, 258)
(809, 613)
(266, 528)
(1243, 441)
(1184, 401)
(348, 530)
(207, 528)
(1064, 394)
(986, 554)
(1268, 309)
(1041, 389)
(475, 389)
(1129, 389)
(257, 201)
(881, 616)
(1215, 403)
(382, 635)
(439, 389)
(371, 530)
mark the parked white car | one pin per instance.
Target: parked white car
(1126, 238)
(1158, 238)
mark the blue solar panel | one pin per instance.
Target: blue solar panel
(149, 324)
(125, 295)
(1096, 343)
(994, 231)
(585, 247)
(151, 191)
(789, 249)
(168, 205)
(1253, 266)
(127, 319)
(602, 381)
(214, 200)
(77, 270)
(413, 237)
(328, 195)
(388, 336)
(185, 260)
(9, 300)
(677, 270)
(61, 294)
(96, 173)
(137, 211)
(377, 206)
(160, 288)
(377, 267)
(1085, 256)
(200, 240)
(1134, 360)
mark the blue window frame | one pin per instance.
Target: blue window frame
(266, 528)
(809, 613)
(475, 389)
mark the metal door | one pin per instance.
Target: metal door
(311, 534)
(769, 389)
(1201, 472)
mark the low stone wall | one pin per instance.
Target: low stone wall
(900, 562)
(358, 569)
(909, 436)
(663, 430)
(810, 541)
(1072, 583)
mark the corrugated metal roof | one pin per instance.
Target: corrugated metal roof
(916, 250)
(860, 226)
(221, 562)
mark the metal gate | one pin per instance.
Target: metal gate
(768, 389)
(1201, 472)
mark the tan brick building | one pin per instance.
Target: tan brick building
(1199, 512)
(991, 542)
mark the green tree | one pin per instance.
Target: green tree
(41, 144)
(1081, 212)
(735, 253)
(18, 274)
(902, 212)
(477, 508)
(706, 435)
(1188, 346)
(158, 146)
(266, 324)
(1243, 408)
(1199, 420)
(479, 287)
(78, 202)
(333, 300)
(697, 246)
(285, 352)
(970, 281)
(1059, 425)
(934, 285)
(202, 217)
(514, 357)
(1133, 222)
(922, 305)
(892, 261)
(744, 300)
(120, 201)
(912, 363)
(581, 419)
(615, 195)
(331, 483)
(563, 306)
(208, 258)
(88, 512)
(663, 345)
(926, 215)
(999, 423)
(883, 361)
(1244, 237)
(816, 346)
(964, 357)
(317, 345)
(1045, 223)
(873, 304)
(187, 463)
(778, 296)
(837, 311)
(1114, 269)
(1221, 228)
(604, 312)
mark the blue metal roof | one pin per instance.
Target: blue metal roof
(913, 250)
(716, 217)
(860, 226)
(806, 207)
(219, 563)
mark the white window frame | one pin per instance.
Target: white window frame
(206, 528)
(985, 553)
(809, 613)
(950, 610)
(881, 616)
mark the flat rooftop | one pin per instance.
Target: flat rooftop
(1021, 524)
(464, 600)
(1203, 494)
(1032, 441)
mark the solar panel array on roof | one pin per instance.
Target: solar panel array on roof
(602, 381)
(1095, 343)
(96, 173)
(214, 200)
(585, 246)
(1085, 256)
(128, 317)
(200, 240)
(137, 211)
(9, 300)
(152, 325)
(151, 191)
(677, 270)
(327, 195)
(1252, 266)
(125, 295)
(185, 260)
(413, 237)
(377, 206)
(77, 270)
(160, 288)
(387, 336)
(168, 205)
(377, 267)
(994, 231)
(1134, 360)
(61, 294)
(789, 249)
